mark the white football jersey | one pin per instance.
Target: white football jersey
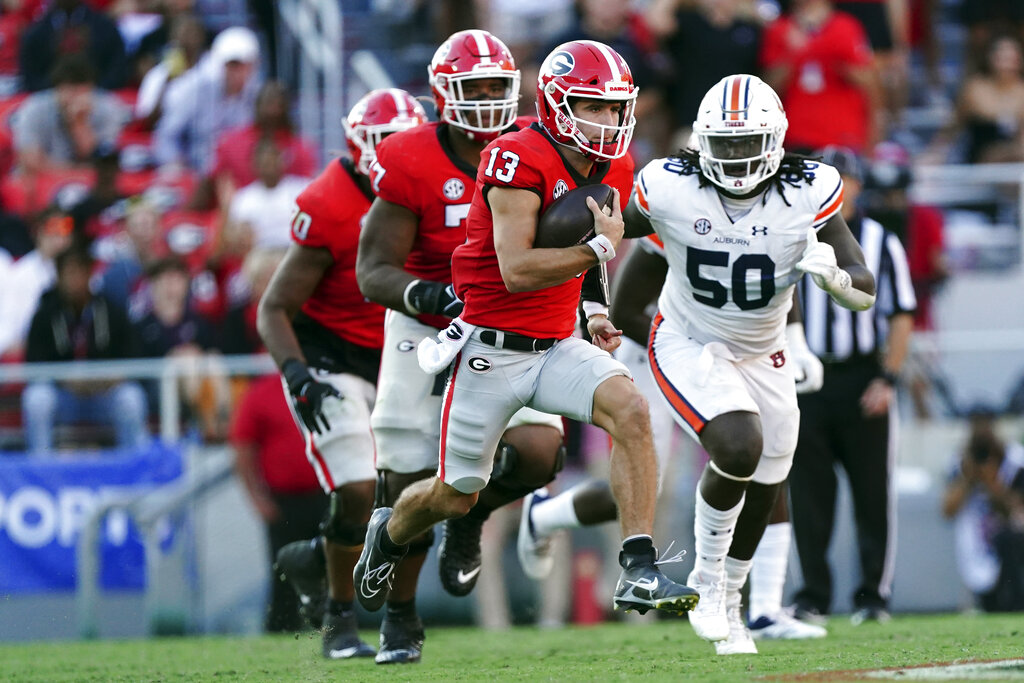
(732, 281)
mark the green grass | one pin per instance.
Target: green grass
(665, 650)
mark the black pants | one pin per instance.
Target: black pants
(300, 519)
(834, 431)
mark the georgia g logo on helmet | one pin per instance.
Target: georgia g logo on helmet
(562, 63)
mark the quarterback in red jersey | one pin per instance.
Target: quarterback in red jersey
(425, 180)
(512, 345)
(326, 338)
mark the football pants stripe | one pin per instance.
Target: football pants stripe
(449, 392)
(675, 398)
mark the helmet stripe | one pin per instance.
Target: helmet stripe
(483, 49)
(734, 98)
(746, 96)
(400, 107)
(609, 56)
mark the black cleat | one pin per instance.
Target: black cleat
(458, 555)
(642, 587)
(375, 570)
(401, 640)
(303, 566)
(341, 637)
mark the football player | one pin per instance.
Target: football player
(513, 347)
(327, 338)
(740, 222)
(424, 181)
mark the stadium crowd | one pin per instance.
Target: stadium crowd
(150, 164)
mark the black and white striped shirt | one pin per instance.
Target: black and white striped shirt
(838, 334)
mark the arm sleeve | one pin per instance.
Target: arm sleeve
(594, 288)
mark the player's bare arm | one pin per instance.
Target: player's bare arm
(835, 262)
(524, 268)
(849, 255)
(638, 283)
(387, 237)
(293, 282)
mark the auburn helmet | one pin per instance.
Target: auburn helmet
(377, 114)
(467, 56)
(586, 69)
(740, 128)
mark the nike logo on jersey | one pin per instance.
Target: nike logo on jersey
(466, 577)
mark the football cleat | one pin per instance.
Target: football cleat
(642, 586)
(303, 566)
(876, 614)
(458, 555)
(401, 640)
(782, 626)
(534, 551)
(709, 619)
(375, 571)
(341, 637)
(739, 641)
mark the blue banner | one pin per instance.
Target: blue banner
(45, 503)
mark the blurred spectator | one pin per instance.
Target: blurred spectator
(74, 324)
(172, 329)
(239, 328)
(887, 25)
(100, 212)
(15, 16)
(67, 123)
(270, 460)
(154, 45)
(267, 204)
(34, 273)
(71, 27)
(985, 20)
(188, 43)
(819, 62)
(130, 255)
(15, 234)
(525, 26)
(705, 41)
(272, 119)
(215, 95)
(990, 109)
(985, 500)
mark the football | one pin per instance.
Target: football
(569, 221)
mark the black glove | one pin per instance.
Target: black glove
(424, 296)
(307, 395)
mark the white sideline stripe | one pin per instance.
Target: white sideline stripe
(1007, 669)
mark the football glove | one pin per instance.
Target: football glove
(819, 261)
(308, 395)
(810, 373)
(437, 298)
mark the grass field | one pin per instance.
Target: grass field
(665, 650)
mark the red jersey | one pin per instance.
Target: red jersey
(822, 105)
(529, 160)
(419, 170)
(263, 421)
(329, 216)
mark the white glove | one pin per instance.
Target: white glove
(810, 373)
(819, 261)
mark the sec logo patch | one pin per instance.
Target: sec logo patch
(560, 189)
(702, 226)
(453, 189)
(479, 365)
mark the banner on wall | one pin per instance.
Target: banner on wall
(45, 503)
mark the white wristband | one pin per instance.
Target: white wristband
(592, 308)
(603, 248)
(405, 298)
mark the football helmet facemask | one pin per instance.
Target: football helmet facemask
(469, 56)
(377, 114)
(586, 69)
(740, 128)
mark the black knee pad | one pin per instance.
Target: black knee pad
(391, 484)
(337, 529)
(505, 475)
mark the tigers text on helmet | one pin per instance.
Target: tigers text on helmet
(468, 56)
(377, 114)
(740, 128)
(586, 69)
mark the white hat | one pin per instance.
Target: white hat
(235, 44)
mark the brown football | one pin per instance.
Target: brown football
(569, 221)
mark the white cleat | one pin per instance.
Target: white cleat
(708, 618)
(782, 626)
(534, 551)
(739, 641)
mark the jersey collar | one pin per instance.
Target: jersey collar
(601, 168)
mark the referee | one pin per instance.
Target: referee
(851, 420)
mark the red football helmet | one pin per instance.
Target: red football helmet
(377, 114)
(466, 56)
(590, 70)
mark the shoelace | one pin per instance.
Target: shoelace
(665, 559)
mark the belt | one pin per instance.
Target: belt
(515, 342)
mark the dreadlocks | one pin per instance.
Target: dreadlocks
(792, 171)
